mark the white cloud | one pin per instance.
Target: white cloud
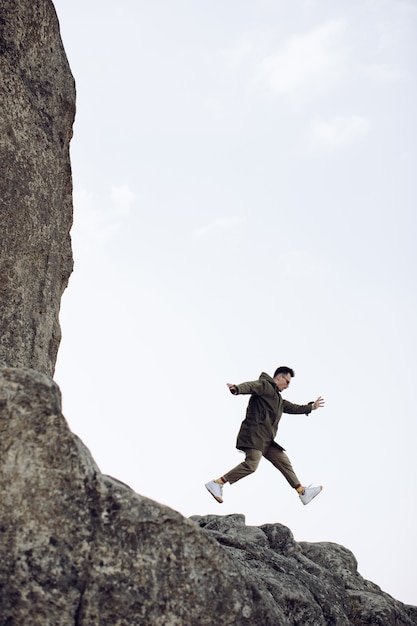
(309, 61)
(97, 219)
(220, 223)
(383, 72)
(339, 131)
(90, 219)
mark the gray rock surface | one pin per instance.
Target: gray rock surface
(80, 548)
(37, 103)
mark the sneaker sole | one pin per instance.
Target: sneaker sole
(219, 500)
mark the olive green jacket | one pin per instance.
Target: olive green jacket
(265, 408)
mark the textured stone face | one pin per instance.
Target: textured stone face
(37, 103)
(77, 547)
(80, 548)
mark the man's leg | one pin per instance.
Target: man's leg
(280, 460)
(248, 466)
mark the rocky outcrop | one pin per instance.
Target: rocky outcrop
(37, 102)
(310, 583)
(80, 548)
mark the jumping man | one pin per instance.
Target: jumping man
(259, 428)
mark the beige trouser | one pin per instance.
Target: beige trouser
(277, 457)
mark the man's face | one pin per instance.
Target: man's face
(282, 381)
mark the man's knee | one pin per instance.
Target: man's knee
(252, 460)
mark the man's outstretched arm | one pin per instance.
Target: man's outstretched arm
(255, 386)
(290, 407)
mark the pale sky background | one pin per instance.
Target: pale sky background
(244, 197)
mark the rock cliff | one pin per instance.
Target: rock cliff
(37, 102)
(80, 548)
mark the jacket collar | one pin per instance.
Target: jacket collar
(267, 377)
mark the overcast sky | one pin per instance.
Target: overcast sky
(244, 197)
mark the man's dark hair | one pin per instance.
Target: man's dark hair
(284, 370)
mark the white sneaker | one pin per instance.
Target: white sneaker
(216, 490)
(309, 493)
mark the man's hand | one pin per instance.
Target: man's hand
(318, 403)
(232, 389)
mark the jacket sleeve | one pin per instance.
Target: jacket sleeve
(289, 407)
(255, 386)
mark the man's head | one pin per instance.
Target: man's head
(282, 377)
